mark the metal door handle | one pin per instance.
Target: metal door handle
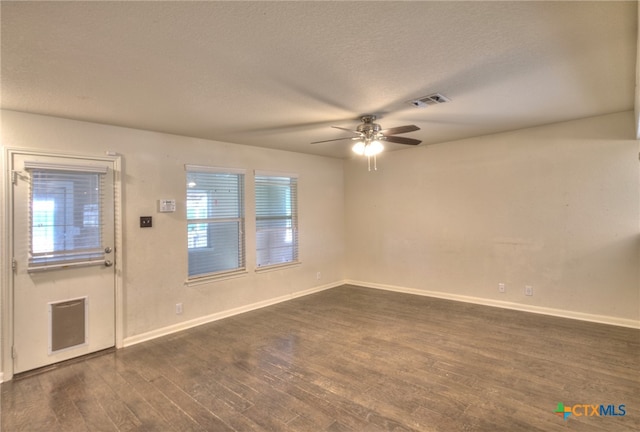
(108, 263)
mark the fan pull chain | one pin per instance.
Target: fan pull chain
(375, 162)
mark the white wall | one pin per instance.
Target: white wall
(637, 89)
(556, 207)
(155, 259)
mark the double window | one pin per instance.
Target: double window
(216, 220)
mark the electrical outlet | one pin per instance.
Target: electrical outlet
(528, 290)
(146, 221)
(501, 287)
(178, 308)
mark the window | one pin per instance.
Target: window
(65, 215)
(215, 221)
(276, 219)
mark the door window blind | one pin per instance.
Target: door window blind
(215, 221)
(65, 216)
(276, 219)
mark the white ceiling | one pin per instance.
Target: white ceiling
(278, 74)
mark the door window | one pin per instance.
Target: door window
(65, 216)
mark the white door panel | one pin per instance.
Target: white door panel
(64, 285)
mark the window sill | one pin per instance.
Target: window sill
(215, 278)
(275, 267)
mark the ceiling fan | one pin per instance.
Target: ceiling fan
(370, 135)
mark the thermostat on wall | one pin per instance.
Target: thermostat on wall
(166, 206)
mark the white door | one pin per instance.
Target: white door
(63, 241)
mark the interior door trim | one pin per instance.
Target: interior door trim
(6, 248)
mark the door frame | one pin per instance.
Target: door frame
(6, 249)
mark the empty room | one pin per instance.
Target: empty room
(319, 216)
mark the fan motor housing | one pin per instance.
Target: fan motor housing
(368, 126)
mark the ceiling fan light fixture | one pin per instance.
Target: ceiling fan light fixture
(364, 148)
(358, 148)
(374, 148)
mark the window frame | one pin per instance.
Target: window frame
(293, 218)
(59, 182)
(241, 269)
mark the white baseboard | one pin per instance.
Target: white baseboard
(602, 319)
(223, 314)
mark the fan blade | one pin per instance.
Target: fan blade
(348, 130)
(402, 140)
(399, 130)
(336, 139)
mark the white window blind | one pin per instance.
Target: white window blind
(215, 221)
(276, 219)
(65, 215)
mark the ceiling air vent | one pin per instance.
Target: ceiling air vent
(432, 99)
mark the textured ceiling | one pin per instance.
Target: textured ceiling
(278, 74)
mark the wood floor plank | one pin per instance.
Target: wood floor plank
(203, 416)
(346, 359)
(31, 405)
(58, 384)
(119, 413)
(169, 411)
(147, 416)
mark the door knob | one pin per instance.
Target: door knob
(108, 249)
(108, 263)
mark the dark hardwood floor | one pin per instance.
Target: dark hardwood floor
(347, 359)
